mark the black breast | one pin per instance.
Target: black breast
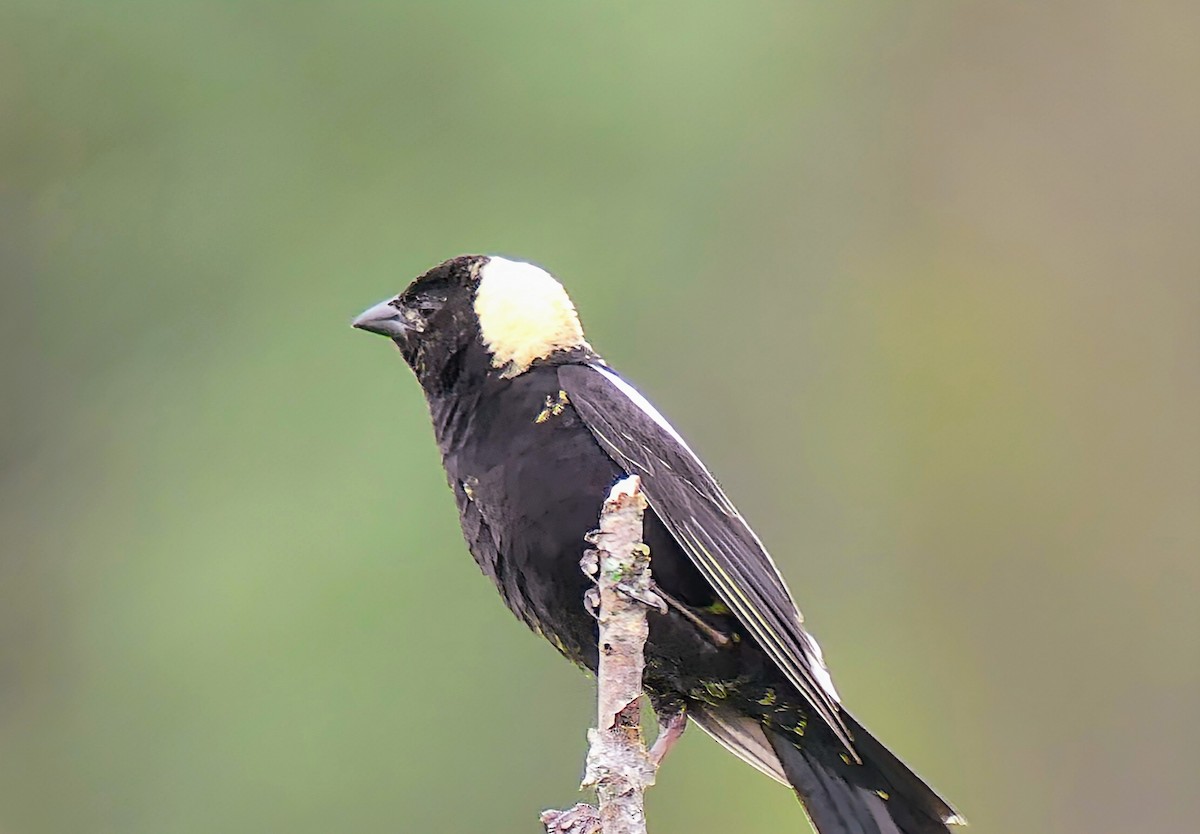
(530, 480)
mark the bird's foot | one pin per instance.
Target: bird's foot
(645, 597)
(717, 638)
(590, 565)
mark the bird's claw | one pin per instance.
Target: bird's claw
(646, 597)
(590, 563)
(591, 602)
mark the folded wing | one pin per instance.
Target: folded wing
(707, 526)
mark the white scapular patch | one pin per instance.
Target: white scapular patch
(524, 315)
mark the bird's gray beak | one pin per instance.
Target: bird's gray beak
(383, 319)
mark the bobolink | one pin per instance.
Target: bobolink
(534, 428)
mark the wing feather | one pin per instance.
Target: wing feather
(707, 526)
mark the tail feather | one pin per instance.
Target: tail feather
(880, 796)
(900, 780)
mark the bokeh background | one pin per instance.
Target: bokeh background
(919, 280)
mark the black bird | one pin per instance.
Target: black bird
(534, 428)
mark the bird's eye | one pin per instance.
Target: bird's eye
(427, 305)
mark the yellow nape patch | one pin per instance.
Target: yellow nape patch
(524, 315)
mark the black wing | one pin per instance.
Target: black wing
(706, 525)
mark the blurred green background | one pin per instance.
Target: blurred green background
(919, 280)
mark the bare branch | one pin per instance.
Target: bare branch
(617, 765)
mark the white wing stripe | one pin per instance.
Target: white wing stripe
(641, 402)
(819, 670)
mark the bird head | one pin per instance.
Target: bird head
(477, 310)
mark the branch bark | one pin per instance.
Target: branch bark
(618, 767)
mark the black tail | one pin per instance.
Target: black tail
(879, 796)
